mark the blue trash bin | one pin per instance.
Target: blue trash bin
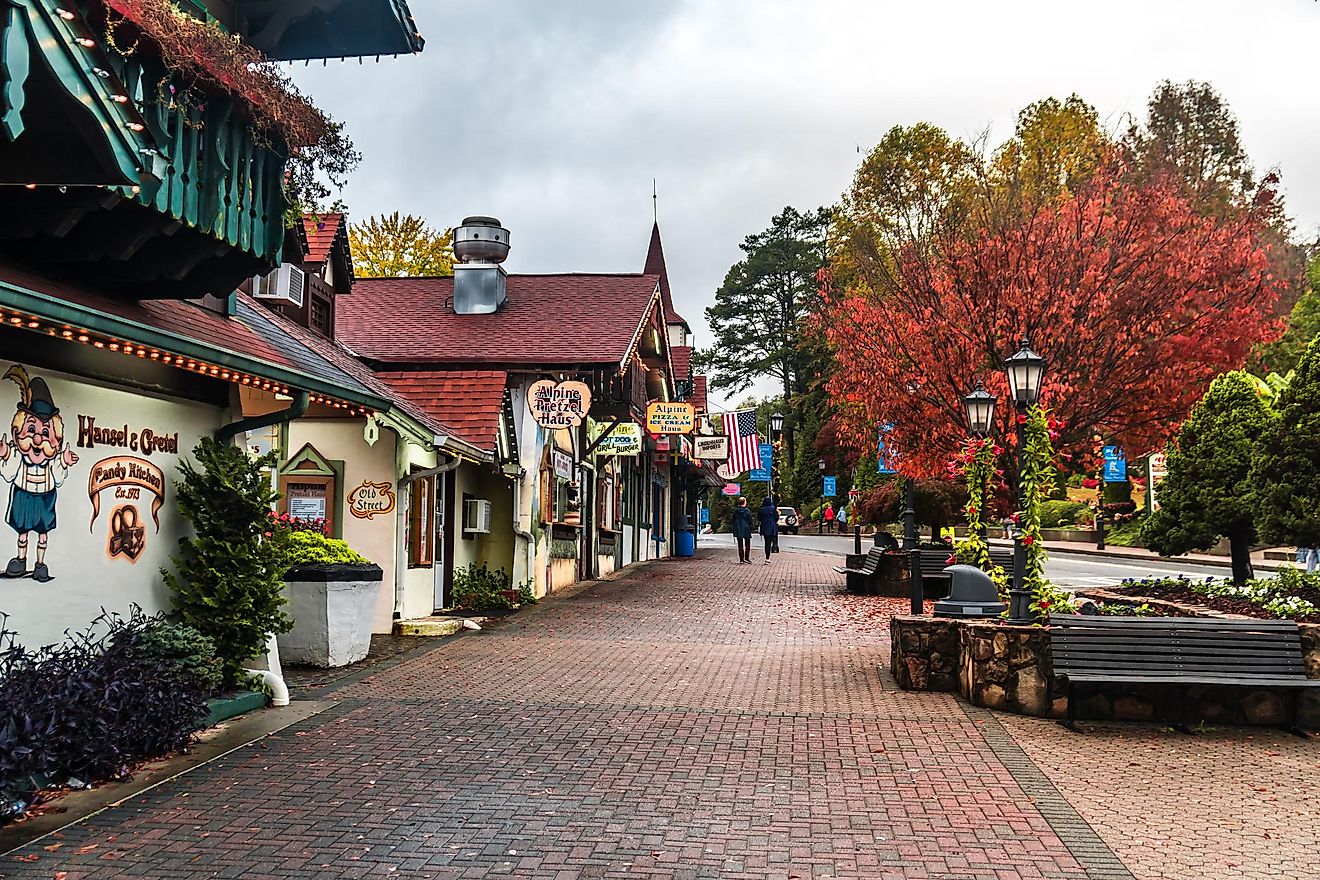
(685, 543)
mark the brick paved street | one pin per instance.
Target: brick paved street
(699, 719)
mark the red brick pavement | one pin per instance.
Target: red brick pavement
(1233, 802)
(695, 719)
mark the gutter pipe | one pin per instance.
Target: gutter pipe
(296, 410)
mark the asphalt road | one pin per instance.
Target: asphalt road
(1065, 569)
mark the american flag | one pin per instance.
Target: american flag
(744, 444)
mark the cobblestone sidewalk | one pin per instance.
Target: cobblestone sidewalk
(696, 719)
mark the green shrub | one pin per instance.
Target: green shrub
(164, 642)
(480, 589)
(313, 548)
(230, 574)
(1056, 514)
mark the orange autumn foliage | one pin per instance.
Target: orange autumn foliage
(1136, 299)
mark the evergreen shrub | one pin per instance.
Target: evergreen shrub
(230, 574)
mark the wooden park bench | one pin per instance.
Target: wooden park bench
(1092, 650)
(861, 578)
(935, 582)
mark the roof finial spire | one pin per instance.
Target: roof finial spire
(655, 202)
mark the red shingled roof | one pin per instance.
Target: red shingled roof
(468, 401)
(321, 232)
(548, 320)
(681, 357)
(655, 265)
(699, 392)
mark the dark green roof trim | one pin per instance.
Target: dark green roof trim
(63, 312)
(27, 24)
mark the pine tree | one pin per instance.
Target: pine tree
(1287, 471)
(230, 577)
(1207, 492)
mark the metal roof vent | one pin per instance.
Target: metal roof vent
(480, 282)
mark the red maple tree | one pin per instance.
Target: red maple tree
(1135, 298)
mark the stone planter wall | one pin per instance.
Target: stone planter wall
(1007, 667)
(925, 651)
(331, 609)
(1010, 668)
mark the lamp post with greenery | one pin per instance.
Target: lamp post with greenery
(980, 407)
(1026, 370)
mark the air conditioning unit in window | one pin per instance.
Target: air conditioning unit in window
(286, 284)
(476, 516)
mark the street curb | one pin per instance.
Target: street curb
(1217, 561)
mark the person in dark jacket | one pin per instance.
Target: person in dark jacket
(742, 531)
(768, 516)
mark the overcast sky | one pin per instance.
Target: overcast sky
(555, 115)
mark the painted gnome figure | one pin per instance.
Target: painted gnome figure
(36, 461)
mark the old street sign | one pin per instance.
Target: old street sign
(714, 447)
(625, 439)
(558, 404)
(664, 417)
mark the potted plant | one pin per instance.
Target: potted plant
(331, 591)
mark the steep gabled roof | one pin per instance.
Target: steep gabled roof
(699, 393)
(322, 230)
(549, 320)
(468, 401)
(681, 357)
(655, 265)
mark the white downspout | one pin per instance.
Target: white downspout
(273, 675)
(528, 538)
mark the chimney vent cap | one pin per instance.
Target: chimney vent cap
(481, 240)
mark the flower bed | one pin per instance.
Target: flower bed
(1292, 595)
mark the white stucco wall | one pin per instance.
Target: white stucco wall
(88, 570)
(342, 440)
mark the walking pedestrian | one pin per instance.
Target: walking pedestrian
(1308, 556)
(742, 531)
(841, 519)
(768, 516)
(828, 515)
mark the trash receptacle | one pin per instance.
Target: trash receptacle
(685, 543)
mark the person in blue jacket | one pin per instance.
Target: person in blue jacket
(768, 516)
(742, 531)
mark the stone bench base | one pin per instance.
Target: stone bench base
(1010, 668)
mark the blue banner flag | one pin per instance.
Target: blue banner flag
(884, 454)
(830, 484)
(762, 474)
(1115, 465)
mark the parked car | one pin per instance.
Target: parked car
(788, 520)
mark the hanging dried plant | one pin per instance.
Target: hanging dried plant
(204, 53)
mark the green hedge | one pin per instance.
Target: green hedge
(1057, 514)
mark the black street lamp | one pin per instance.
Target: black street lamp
(776, 428)
(980, 406)
(1025, 371)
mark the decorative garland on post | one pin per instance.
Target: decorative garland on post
(1039, 429)
(976, 461)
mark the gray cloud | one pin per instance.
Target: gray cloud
(555, 116)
